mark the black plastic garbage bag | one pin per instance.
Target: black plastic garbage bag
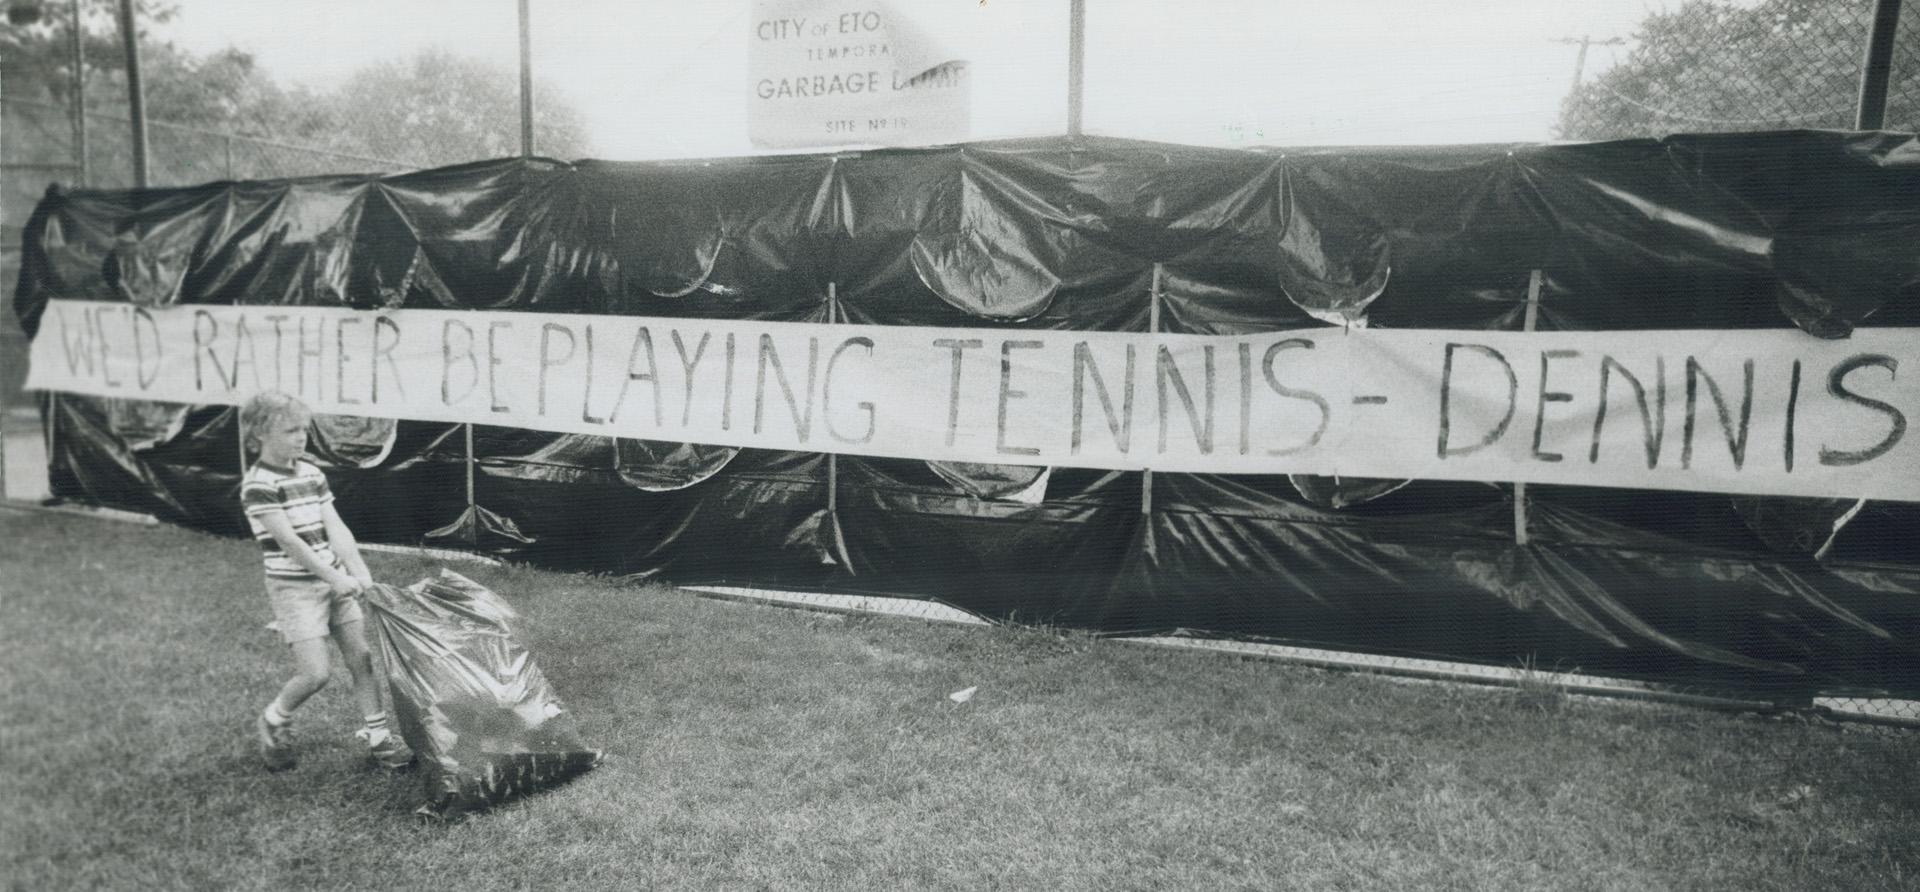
(468, 698)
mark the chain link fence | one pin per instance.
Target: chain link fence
(39, 148)
(38, 143)
(1731, 65)
(433, 109)
(1737, 65)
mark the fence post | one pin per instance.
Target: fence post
(240, 440)
(1877, 65)
(1076, 63)
(1520, 487)
(79, 96)
(833, 459)
(526, 81)
(50, 427)
(136, 95)
(5, 410)
(1153, 326)
(473, 508)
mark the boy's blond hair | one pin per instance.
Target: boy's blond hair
(265, 408)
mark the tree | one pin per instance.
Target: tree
(192, 101)
(36, 61)
(436, 108)
(226, 92)
(1714, 65)
(439, 108)
(223, 91)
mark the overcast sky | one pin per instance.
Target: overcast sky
(668, 78)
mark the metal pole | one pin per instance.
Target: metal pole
(5, 410)
(1076, 62)
(79, 95)
(833, 459)
(229, 146)
(1874, 70)
(1520, 488)
(526, 83)
(136, 97)
(49, 428)
(473, 508)
(1153, 325)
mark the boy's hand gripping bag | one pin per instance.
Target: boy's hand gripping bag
(468, 698)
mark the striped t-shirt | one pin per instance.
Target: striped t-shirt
(300, 491)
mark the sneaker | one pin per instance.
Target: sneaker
(390, 752)
(276, 743)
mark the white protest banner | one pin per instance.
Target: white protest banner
(1764, 412)
(852, 72)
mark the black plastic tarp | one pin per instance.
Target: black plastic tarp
(1786, 597)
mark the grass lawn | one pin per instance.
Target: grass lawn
(753, 747)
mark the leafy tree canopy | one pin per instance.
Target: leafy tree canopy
(439, 108)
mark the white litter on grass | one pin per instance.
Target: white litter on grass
(1795, 796)
(909, 607)
(963, 696)
(445, 554)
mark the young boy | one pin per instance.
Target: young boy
(314, 571)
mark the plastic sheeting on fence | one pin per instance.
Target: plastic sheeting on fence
(1785, 597)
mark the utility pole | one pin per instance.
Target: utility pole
(1580, 61)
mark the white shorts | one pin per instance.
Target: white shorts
(307, 607)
